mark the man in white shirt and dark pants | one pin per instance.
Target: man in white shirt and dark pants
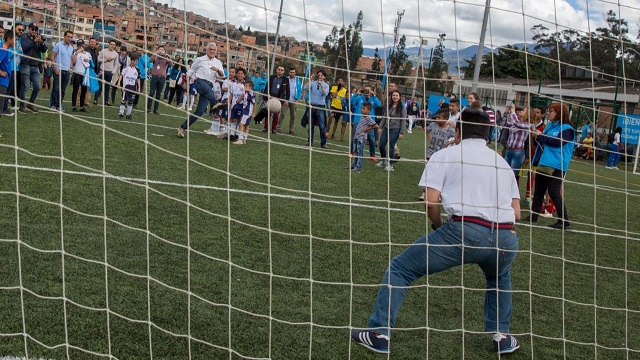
(206, 70)
(483, 202)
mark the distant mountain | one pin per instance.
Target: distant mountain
(450, 55)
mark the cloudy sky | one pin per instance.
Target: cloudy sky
(510, 20)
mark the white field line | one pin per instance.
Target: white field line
(281, 196)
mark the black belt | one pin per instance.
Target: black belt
(206, 81)
(483, 222)
(159, 76)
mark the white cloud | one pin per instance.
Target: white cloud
(510, 20)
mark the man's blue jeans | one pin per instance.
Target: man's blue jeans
(108, 76)
(30, 74)
(205, 97)
(155, 91)
(515, 158)
(444, 248)
(318, 114)
(60, 82)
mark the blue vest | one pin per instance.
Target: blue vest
(558, 157)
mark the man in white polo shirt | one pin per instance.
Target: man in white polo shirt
(483, 202)
(206, 69)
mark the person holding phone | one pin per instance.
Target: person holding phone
(33, 46)
(80, 61)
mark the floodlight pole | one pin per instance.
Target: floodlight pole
(420, 65)
(483, 32)
(275, 43)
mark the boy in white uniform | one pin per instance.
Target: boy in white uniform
(130, 86)
(247, 110)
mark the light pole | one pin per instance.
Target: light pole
(275, 42)
(420, 65)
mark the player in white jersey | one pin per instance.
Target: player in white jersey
(236, 103)
(130, 86)
(247, 110)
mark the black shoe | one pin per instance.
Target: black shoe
(83, 110)
(274, 132)
(156, 112)
(560, 225)
(75, 109)
(120, 116)
(107, 103)
(324, 146)
(95, 102)
(128, 117)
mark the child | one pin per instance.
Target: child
(6, 57)
(190, 95)
(130, 86)
(48, 73)
(454, 112)
(439, 134)
(237, 97)
(247, 111)
(362, 130)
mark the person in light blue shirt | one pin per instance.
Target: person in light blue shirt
(318, 91)
(61, 62)
(143, 67)
(15, 83)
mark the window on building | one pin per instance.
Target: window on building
(80, 20)
(90, 21)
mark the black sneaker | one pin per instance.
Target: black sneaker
(107, 103)
(95, 102)
(83, 110)
(371, 340)
(560, 225)
(75, 109)
(505, 344)
(128, 117)
(120, 116)
(156, 112)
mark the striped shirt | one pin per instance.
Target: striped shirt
(518, 132)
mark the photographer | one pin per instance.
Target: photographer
(33, 45)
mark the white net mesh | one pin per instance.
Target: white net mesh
(120, 240)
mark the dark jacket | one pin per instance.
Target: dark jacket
(284, 88)
(32, 51)
(94, 57)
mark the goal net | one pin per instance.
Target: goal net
(121, 240)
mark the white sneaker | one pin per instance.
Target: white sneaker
(608, 167)
(546, 214)
(381, 163)
(389, 167)
(209, 132)
(190, 109)
(181, 107)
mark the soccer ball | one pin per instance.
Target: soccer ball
(274, 106)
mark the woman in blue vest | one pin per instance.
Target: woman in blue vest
(552, 158)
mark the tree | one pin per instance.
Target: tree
(397, 61)
(375, 66)
(343, 47)
(438, 65)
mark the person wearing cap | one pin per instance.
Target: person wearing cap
(61, 63)
(80, 61)
(478, 191)
(33, 45)
(123, 61)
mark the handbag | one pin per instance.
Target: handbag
(172, 83)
